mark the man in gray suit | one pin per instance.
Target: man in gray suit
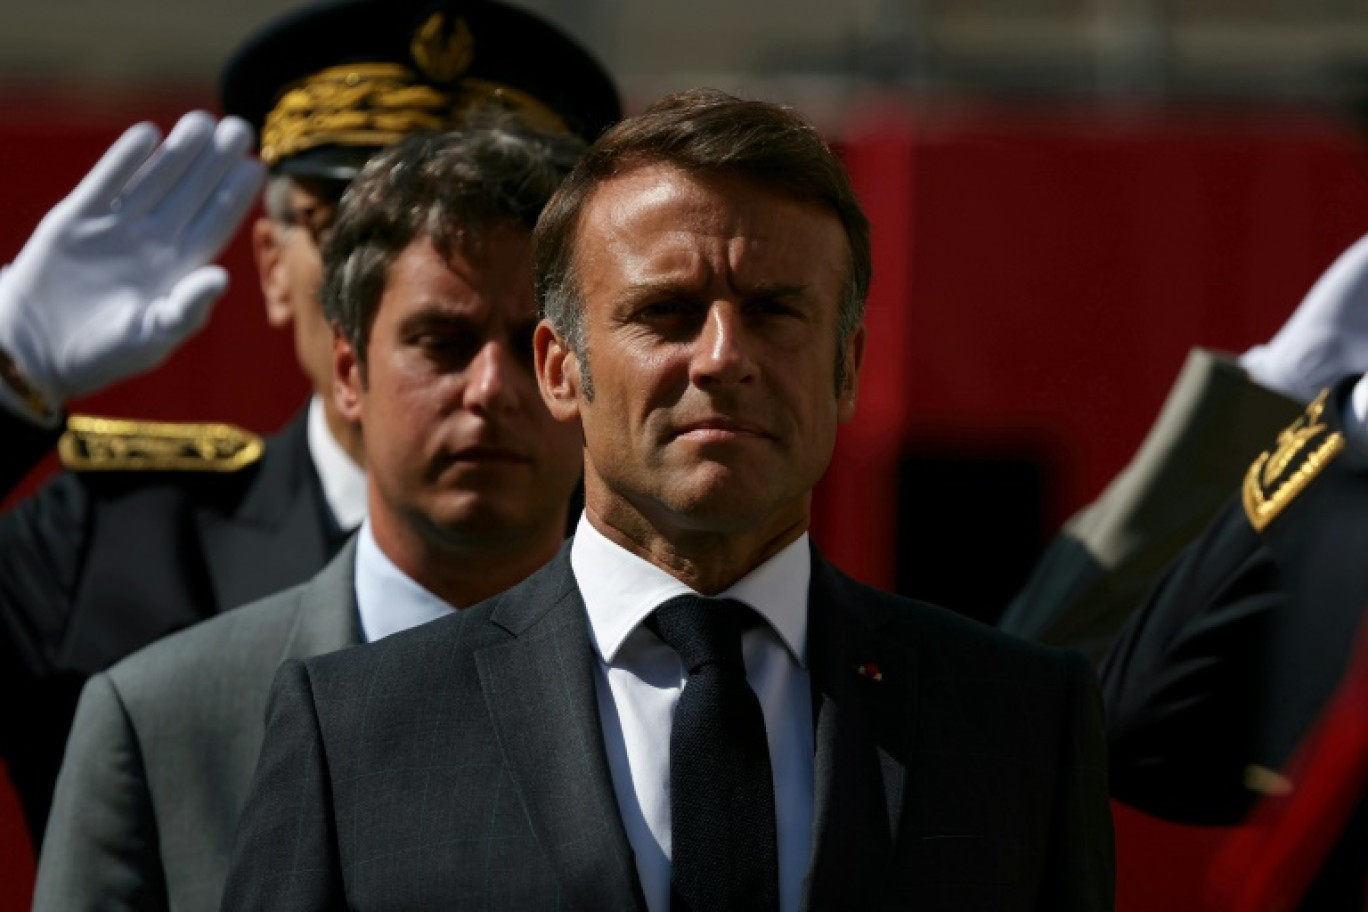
(429, 288)
(688, 708)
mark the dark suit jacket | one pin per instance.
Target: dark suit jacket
(1238, 649)
(163, 747)
(98, 564)
(461, 765)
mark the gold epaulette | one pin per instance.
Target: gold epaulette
(1304, 449)
(118, 445)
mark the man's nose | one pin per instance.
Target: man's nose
(491, 382)
(722, 351)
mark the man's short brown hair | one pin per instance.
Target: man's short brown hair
(702, 132)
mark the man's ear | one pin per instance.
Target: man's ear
(347, 379)
(268, 247)
(557, 373)
(850, 387)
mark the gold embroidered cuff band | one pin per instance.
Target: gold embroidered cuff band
(18, 384)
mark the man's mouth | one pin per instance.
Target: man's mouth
(719, 429)
(485, 453)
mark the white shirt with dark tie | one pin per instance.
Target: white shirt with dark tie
(639, 679)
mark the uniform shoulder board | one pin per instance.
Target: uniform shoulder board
(1304, 448)
(93, 444)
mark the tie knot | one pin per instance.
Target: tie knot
(701, 630)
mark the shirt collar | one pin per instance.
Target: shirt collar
(620, 590)
(343, 481)
(388, 599)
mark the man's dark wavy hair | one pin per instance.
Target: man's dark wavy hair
(452, 188)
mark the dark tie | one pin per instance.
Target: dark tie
(721, 789)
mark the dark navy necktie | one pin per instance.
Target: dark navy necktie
(722, 826)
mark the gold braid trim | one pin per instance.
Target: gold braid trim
(93, 444)
(1276, 478)
(378, 104)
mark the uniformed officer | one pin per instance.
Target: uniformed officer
(1216, 681)
(152, 527)
(1220, 414)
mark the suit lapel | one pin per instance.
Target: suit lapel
(274, 537)
(328, 617)
(540, 692)
(863, 692)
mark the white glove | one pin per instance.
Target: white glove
(1325, 338)
(115, 276)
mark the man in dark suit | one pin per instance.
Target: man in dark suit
(154, 527)
(688, 707)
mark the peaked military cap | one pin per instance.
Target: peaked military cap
(330, 84)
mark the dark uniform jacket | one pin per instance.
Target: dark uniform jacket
(1217, 679)
(462, 765)
(100, 563)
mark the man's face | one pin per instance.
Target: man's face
(459, 447)
(710, 309)
(290, 265)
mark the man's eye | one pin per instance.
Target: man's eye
(657, 309)
(775, 307)
(449, 349)
(317, 220)
(676, 313)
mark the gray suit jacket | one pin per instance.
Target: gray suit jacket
(163, 748)
(461, 765)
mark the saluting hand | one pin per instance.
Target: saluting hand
(1326, 337)
(116, 275)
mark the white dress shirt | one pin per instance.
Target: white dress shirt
(388, 599)
(343, 481)
(640, 678)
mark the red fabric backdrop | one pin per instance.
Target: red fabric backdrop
(1038, 283)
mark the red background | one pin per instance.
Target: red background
(1038, 282)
